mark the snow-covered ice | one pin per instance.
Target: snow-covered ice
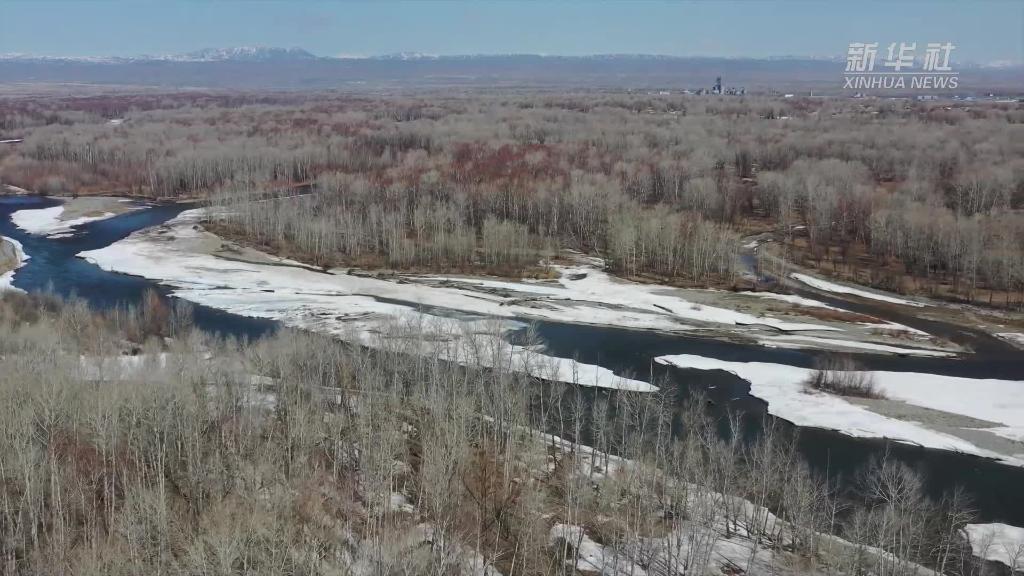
(843, 289)
(800, 341)
(1012, 337)
(7, 278)
(997, 542)
(47, 221)
(782, 387)
(791, 299)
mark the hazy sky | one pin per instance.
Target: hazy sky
(982, 31)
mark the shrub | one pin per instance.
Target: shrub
(840, 374)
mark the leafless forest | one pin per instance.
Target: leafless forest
(914, 197)
(142, 446)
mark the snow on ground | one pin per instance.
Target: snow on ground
(121, 367)
(782, 387)
(1013, 337)
(997, 542)
(852, 345)
(595, 286)
(7, 278)
(843, 289)
(367, 310)
(791, 299)
(355, 306)
(47, 221)
(893, 326)
(592, 557)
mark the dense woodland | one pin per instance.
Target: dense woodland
(922, 197)
(142, 446)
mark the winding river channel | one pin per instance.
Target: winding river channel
(998, 490)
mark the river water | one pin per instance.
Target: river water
(998, 489)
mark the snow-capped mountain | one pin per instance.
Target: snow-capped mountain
(242, 54)
(233, 54)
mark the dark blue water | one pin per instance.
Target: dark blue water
(996, 488)
(53, 265)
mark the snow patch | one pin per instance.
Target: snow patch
(1013, 337)
(997, 542)
(47, 221)
(835, 343)
(7, 278)
(591, 556)
(791, 299)
(782, 387)
(593, 290)
(843, 289)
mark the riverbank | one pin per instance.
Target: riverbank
(984, 417)
(1001, 327)
(12, 257)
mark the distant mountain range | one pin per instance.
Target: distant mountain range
(297, 69)
(235, 54)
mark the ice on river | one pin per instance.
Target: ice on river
(799, 341)
(827, 286)
(997, 542)
(47, 221)
(782, 387)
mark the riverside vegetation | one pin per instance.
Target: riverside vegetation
(913, 197)
(132, 443)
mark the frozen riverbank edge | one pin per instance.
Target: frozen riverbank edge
(12, 257)
(987, 406)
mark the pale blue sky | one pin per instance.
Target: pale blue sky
(983, 31)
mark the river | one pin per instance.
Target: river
(996, 488)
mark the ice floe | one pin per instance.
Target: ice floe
(47, 221)
(782, 387)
